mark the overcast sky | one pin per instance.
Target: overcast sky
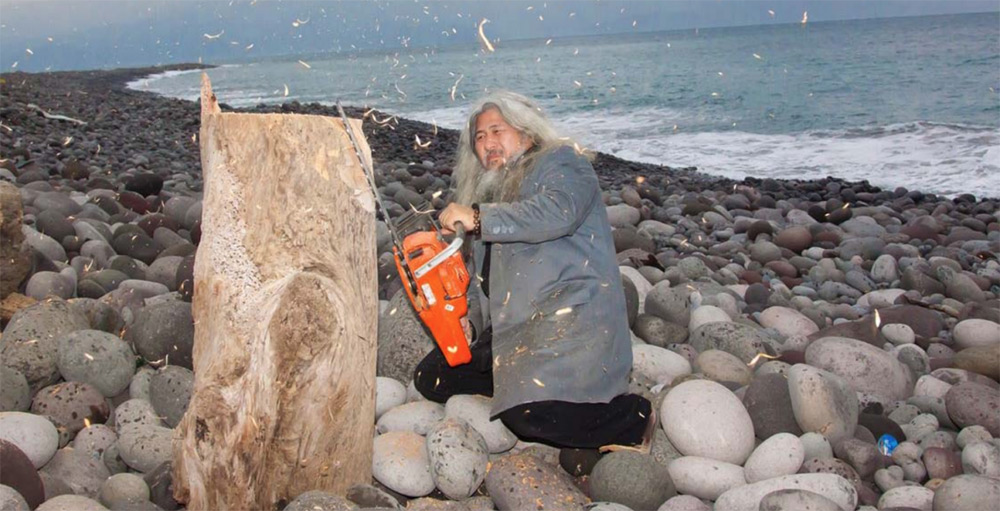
(86, 34)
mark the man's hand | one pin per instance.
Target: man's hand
(456, 213)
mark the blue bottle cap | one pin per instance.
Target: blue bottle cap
(887, 443)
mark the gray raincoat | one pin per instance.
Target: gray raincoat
(556, 304)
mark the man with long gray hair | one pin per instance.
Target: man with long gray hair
(547, 315)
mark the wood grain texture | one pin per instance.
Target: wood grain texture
(285, 310)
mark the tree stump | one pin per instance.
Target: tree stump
(285, 309)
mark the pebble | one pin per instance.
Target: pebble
(98, 358)
(71, 406)
(779, 455)
(864, 367)
(145, 447)
(475, 410)
(974, 333)
(981, 458)
(659, 364)
(705, 478)
(723, 367)
(400, 461)
(121, 490)
(704, 418)
(631, 479)
(35, 436)
(29, 341)
(15, 394)
(789, 322)
(317, 500)
(830, 486)
(419, 417)
(95, 439)
(522, 481)
(972, 404)
(71, 503)
(170, 391)
(389, 393)
(78, 469)
(458, 457)
(163, 330)
(11, 500)
(822, 402)
(769, 404)
(967, 491)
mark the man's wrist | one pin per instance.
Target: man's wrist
(476, 225)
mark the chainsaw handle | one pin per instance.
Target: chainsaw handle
(453, 247)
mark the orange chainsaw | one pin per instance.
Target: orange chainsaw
(438, 284)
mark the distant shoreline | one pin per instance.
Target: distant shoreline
(614, 171)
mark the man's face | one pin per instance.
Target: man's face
(496, 141)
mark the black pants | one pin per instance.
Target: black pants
(558, 423)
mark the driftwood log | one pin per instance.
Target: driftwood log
(285, 310)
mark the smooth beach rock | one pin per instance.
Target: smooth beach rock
(796, 238)
(981, 458)
(822, 402)
(723, 367)
(15, 394)
(317, 500)
(974, 333)
(739, 339)
(974, 404)
(864, 367)
(658, 331)
(400, 462)
(170, 391)
(34, 435)
(389, 393)
(163, 330)
(98, 358)
(419, 417)
(912, 497)
(122, 490)
(47, 246)
(704, 418)
(707, 314)
(631, 479)
(830, 486)
(458, 456)
(46, 284)
(769, 404)
(789, 322)
(475, 410)
(522, 481)
(11, 500)
(19, 473)
(862, 456)
(796, 500)
(623, 215)
(145, 447)
(941, 463)
(967, 492)
(368, 496)
(71, 503)
(779, 455)
(81, 471)
(29, 342)
(71, 406)
(659, 364)
(705, 478)
(984, 360)
(135, 412)
(403, 341)
(94, 439)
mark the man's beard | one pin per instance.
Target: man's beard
(502, 183)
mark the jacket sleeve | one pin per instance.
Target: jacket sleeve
(568, 188)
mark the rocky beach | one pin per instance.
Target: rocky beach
(824, 345)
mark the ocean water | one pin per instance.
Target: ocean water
(911, 102)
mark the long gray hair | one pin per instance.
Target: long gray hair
(525, 116)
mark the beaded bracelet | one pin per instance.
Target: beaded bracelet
(476, 227)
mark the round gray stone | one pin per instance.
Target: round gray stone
(170, 392)
(164, 330)
(458, 458)
(121, 490)
(11, 500)
(80, 470)
(15, 394)
(98, 358)
(631, 479)
(145, 447)
(30, 340)
(34, 435)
